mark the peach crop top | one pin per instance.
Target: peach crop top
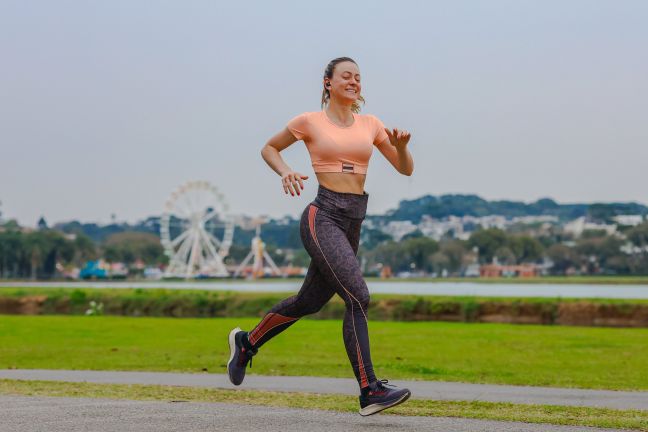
(334, 148)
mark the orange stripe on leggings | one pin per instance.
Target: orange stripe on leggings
(312, 211)
(361, 368)
(271, 321)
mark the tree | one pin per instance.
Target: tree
(400, 256)
(454, 252)
(563, 258)
(414, 234)
(487, 241)
(130, 246)
(34, 250)
(370, 238)
(505, 255)
(639, 235)
(525, 249)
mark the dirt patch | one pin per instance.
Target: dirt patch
(29, 305)
(589, 314)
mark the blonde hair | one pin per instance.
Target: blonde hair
(328, 73)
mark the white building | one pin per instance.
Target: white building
(577, 226)
(398, 229)
(631, 220)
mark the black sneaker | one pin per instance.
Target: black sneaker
(378, 396)
(239, 356)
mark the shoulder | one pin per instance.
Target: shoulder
(304, 116)
(370, 118)
(373, 121)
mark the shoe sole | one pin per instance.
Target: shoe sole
(377, 407)
(232, 345)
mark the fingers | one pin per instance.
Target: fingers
(397, 134)
(400, 135)
(292, 185)
(286, 181)
(292, 182)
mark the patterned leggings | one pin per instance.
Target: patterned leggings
(330, 232)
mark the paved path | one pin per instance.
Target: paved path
(35, 414)
(420, 389)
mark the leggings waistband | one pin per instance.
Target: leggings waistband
(346, 204)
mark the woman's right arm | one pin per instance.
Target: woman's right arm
(291, 180)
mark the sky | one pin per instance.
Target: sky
(107, 107)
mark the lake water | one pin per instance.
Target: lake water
(429, 288)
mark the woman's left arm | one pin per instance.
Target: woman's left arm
(394, 148)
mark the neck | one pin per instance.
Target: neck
(340, 112)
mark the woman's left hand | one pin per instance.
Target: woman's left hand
(398, 138)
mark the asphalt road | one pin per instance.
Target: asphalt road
(420, 389)
(49, 414)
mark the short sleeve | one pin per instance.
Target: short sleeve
(380, 134)
(298, 126)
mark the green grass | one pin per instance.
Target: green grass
(559, 415)
(581, 357)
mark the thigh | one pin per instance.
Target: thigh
(314, 293)
(353, 234)
(315, 290)
(327, 243)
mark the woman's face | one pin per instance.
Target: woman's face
(345, 83)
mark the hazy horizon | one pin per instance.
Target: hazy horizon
(108, 107)
(296, 216)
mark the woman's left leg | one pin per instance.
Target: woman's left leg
(327, 242)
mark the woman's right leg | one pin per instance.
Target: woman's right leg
(314, 294)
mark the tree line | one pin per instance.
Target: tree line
(43, 253)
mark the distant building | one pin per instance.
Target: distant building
(472, 270)
(498, 270)
(42, 225)
(631, 220)
(398, 229)
(577, 226)
(534, 219)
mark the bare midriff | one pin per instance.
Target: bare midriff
(342, 182)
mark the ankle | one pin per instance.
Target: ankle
(246, 343)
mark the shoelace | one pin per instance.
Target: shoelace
(247, 356)
(383, 382)
(380, 387)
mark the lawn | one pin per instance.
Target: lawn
(583, 357)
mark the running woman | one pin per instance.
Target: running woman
(340, 142)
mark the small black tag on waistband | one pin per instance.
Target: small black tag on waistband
(347, 167)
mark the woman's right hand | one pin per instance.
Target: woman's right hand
(292, 181)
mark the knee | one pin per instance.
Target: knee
(364, 299)
(360, 298)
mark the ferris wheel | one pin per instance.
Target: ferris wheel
(196, 231)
